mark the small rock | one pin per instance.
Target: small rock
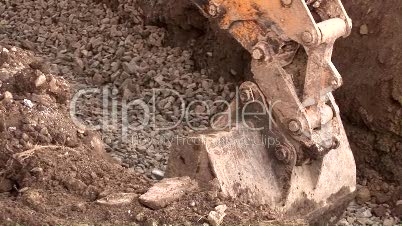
(364, 29)
(397, 211)
(34, 198)
(158, 174)
(151, 222)
(131, 67)
(37, 170)
(23, 190)
(366, 214)
(28, 103)
(343, 222)
(8, 97)
(53, 87)
(6, 185)
(39, 64)
(351, 220)
(199, 109)
(80, 207)
(117, 199)
(40, 80)
(389, 222)
(380, 211)
(382, 198)
(97, 79)
(25, 136)
(364, 221)
(215, 218)
(140, 217)
(167, 191)
(363, 195)
(28, 45)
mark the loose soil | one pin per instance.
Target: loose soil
(52, 172)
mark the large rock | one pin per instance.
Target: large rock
(167, 191)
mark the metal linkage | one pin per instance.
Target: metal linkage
(272, 32)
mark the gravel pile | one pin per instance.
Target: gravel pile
(93, 46)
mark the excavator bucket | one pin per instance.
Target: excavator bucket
(281, 142)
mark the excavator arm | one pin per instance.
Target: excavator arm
(272, 31)
(311, 165)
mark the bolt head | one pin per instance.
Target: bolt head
(307, 37)
(294, 126)
(282, 154)
(258, 54)
(286, 2)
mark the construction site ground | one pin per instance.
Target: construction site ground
(54, 171)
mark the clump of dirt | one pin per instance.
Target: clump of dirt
(53, 172)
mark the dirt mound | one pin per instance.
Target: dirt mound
(47, 165)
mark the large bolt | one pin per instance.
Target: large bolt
(282, 154)
(307, 37)
(286, 2)
(258, 53)
(213, 10)
(294, 126)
